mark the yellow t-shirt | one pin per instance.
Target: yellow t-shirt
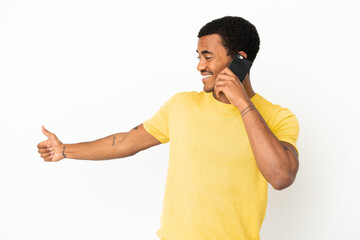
(214, 189)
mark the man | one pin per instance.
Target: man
(226, 144)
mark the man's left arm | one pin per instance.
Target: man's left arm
(277, 161)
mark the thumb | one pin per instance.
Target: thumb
(46, 132)
(227, 71)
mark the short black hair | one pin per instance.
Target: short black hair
(237, 35)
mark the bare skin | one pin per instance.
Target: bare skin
(277, 161)
(118, 145)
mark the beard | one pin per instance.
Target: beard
(208, 89)
(209, 84)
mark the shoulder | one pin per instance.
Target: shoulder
(187, 96)
(191, 94)
(273, 114)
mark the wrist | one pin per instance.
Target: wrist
(63, 151)
(247, 109)
(244, 103)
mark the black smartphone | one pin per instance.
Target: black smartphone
(240, 66)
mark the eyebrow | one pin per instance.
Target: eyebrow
(205, 52)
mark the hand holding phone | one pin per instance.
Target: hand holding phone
(240, 66)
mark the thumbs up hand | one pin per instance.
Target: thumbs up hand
(50, 149)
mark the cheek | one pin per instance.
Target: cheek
(216, 69)
(213, 79)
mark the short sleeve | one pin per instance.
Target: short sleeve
(285, 126)
(158, 124)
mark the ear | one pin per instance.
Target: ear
(242, 53)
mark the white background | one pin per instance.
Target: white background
(88, 69)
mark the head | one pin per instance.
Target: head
(219, 41)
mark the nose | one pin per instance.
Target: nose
(201, 65)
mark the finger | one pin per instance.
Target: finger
(45, 155)
(48, 159)
(225, 82)
(218, 89)
(45, 150)
(42, 150)
(44, 144)
(222, 76)
(46, 132)
(223, 71)
(227, 71)
(222, 82)
(41, 144)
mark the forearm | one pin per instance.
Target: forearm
(101, 149)
(275, 161)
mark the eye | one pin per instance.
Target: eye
(206, 58)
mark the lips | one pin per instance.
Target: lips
(206, 77)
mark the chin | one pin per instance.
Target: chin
(208, 89)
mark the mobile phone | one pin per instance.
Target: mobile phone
(240, 66)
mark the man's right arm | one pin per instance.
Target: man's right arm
(118, 145)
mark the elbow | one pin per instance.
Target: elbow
(283, 182)
(280, 186)
(285, 177)
(123, 152)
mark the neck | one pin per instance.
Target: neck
(248, 89)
